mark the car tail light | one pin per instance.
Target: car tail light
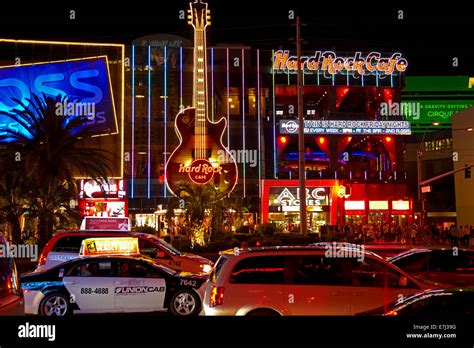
(9, 283)
(217, 296)
(392, 313)
(42, 259)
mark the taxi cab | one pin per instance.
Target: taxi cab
(110, 276)
(65, 246)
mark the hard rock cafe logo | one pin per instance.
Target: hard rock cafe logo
(200, 171)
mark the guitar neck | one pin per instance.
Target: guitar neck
(200, 76)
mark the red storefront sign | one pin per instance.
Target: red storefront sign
(107, 224)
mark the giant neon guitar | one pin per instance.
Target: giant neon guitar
(200, 159)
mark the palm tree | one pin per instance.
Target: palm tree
(51, 150)
(13, 190)
(52, 146)
(198, 200)
(49, 203)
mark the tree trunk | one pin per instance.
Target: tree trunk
(43, 233)
(15, 228)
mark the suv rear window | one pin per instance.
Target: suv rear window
(218, 266)
(69, 243)
(259, 270)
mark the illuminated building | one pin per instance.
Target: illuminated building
(259, 103)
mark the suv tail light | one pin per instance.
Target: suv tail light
(217, 296)
(42, 259)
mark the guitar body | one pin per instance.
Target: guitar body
(211, 164)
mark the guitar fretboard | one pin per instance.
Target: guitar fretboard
(200, 92)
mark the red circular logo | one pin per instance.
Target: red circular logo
(201, 171)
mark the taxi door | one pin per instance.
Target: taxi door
(138, 287)
(90, 285)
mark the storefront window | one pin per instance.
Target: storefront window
(353, 219)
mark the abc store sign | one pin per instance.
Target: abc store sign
(315, 196)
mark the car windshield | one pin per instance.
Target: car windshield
(167, 246)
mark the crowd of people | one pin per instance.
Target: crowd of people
(409, 234)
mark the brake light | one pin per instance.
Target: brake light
(217, 296)
(42, 259)
(392, 313)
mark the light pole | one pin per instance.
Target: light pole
(301, 153)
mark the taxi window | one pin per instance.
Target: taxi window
(92, 269)
(148, 248)
(70, 243)
(130, 269)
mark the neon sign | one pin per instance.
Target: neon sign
(291, 197)
(200, 171)
(347, 127)
(329, 62)
(93, 189)
(86, 80)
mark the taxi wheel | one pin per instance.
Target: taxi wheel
(55, 305)
(185, 303)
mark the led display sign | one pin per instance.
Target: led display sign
(85, 83)
(357, 127)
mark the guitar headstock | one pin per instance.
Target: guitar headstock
(199, 16)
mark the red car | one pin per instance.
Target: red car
(66, 245)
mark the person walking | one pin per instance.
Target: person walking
(466, 232)
(406, 235)
(453, 235)
(413, 234)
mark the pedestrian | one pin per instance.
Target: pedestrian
(465, 236)
(413, 234)
(454, 234)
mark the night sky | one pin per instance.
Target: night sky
(429, 37)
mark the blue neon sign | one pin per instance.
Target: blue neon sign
(86, 80)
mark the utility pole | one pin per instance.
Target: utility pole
(301, 161)
(421, 199)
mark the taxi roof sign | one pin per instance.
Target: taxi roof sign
(109, 246)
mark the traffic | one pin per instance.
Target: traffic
(99, 272)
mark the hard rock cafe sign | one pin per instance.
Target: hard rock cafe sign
(200, 171)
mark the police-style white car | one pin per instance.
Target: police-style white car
(112, 284)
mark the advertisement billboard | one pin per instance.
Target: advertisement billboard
(84, 85)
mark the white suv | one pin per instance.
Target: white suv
(303, 281)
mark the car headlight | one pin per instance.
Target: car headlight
(207, 268)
